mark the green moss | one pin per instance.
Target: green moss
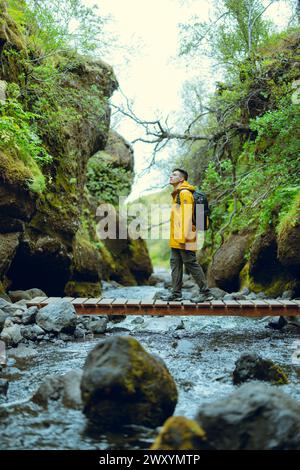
(14, 171)
(4, 285)
(290, 219)
(105, 181)
(278, 377)
(180, 433)
(142, 373)
(275, 287)
(83, 289)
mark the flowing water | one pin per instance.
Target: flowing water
(200, 353)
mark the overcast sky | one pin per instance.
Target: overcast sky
(150, 76)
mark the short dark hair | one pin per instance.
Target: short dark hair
(183, 172)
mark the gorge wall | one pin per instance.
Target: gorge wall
(52, 180)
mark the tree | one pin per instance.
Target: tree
(55, 25)
(236, 28)
(298, 10)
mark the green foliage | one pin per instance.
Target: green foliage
(235, 30)
(57, 25)
(18, 133)
(289, 215)
(19, 137)
(107, 182)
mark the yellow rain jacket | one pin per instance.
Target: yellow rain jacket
(182, 230)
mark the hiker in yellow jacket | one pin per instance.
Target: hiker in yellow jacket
(183, 238)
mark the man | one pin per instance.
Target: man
(183, 238)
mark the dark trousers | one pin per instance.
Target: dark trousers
(188, 259)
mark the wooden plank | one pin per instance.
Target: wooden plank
(246, 303)
(161, 304)
(274, 303)
(91, 302)
(133, 303)
(204, 305)
(217, 304)
(105, 303)
(188, 307)
(119, 302)
(45, 302)
(261, 304)
(232, 303)
(79, 300)
(36, 300)
(289, 303)
(69, 299)
(53, 299)
(175, 304)
(147, 303)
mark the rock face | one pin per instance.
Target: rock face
(255, 417)
(53, 231)
(265, 271)
(288, 242)
(253, 367)
(123, 384)
(58, 317)
(131, 261)
(228, 261)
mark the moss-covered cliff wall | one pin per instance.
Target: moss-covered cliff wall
(54, 120)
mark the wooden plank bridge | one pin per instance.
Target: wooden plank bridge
(122, 306)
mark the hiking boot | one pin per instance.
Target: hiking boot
(204, 296)
(171, 297)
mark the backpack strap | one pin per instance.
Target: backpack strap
(178, 195)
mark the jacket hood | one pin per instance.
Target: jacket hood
(184, 185)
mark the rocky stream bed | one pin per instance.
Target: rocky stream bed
(199, 352)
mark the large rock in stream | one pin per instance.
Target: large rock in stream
(253, 367)
(256, 417)
(58, 317)
(123, 384)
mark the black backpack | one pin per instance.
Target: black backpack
(201, 209)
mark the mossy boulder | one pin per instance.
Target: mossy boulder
(253, 367)
(180, 433)
(82, 289)
(228, 261)
(264, 271)
(132, 261)
(257, 416)
(16, 201)
(288, 238)
(86, 261)
(140, 263)
(272, 285)
(123, 384)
